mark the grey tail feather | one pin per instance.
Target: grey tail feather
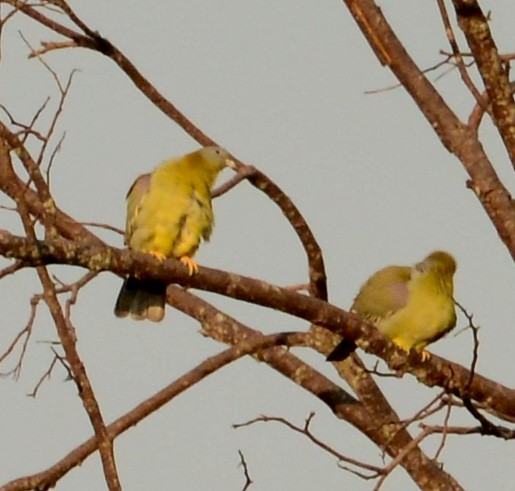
(342, 351)
(142, 299)
(123, 304)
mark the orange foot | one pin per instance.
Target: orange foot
(190, 264)
(158, 255)
(425, 355)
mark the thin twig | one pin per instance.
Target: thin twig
(27, 129)
(105, 226)
(488, 427)
(9, 270)
(26, 333)
(305, 430)
(457, 55)
(243, 464)
(45, 376)
(445, 425)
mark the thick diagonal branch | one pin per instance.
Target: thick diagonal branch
(456, 136)
(493, 71)
(435, 371)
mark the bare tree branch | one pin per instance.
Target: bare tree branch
(48, 478)
(435, 371)
(243, 463)
(92, 40)
(456, 136)
(306, 431)
(68, 242)
(494, 74)
(360, 414)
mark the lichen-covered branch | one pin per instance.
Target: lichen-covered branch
(433, 372)
(377, 421)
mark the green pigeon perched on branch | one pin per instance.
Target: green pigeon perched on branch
(413, 306)
(168, 213)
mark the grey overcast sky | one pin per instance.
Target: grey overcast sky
(281, 84)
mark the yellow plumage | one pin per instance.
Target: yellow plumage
(168, 213)
(413, 306)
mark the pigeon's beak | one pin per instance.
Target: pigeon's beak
(230, 163)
